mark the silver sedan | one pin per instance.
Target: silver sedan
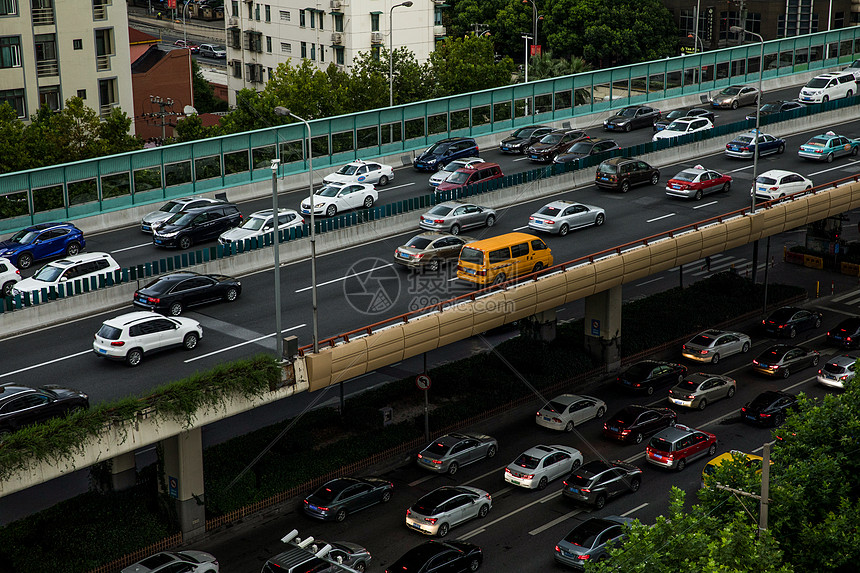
(454, 216)
(568, 410)
(700, 389)
(448, 453)
(711, 345)
(734, 96)
(562, 216)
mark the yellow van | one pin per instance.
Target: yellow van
(497, 259)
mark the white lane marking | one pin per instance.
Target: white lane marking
(347, 277)
(509, 514)
(46, 363)
(500, 469)
(554, 522)
(741, 169)
(398, 186)
(502, 491)
(846, 295)
(130, 248)
(839, 311)
(521, 159)
(833, 168)
(852, 301)
(420, 480)
(634, 510)
(520, 228)
(651, 281)
(705, 205)
(243, 343)
(662, 217)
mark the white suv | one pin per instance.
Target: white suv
(683, 126)
(79, 267)
(826, 87)
(9, 275)
(259, 224)
(130, 336)
(212, 51)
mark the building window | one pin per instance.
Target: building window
(302, 18)
(107, 95)
(257, 12)
(286, 47)
(46, 55)
(82, 94)
(14, 98)
(234, 37)
(304, 52)
(268, 13)
(8, 7)
(77, 44)
(10, 52)
(374, 53)
(271, 73)
(686, 22)
(374, 22)
(235, 9)
(269, 44)
(839, 20)
(322, 53)
(338, 55)
(313, 15)
(285, 15)
(437, 16)
(727, 20)
(753, 23)
(237, 68)
(50, 97)
(321, 14)
(338, 22)
(313, 50)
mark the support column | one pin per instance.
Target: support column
(603, 326)
(183, 477)
(123, 472)
(540, 326)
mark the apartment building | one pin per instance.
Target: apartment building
(262, 35)
(51, 50)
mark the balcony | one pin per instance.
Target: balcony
(376, 38)
(105, 109)
(439, 31)
(103, 63)
(43, 16)
(47, 68)
(100, 11)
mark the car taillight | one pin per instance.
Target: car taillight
(530, 476)
(557, 549)
(117, 343)
(322, 508)
(773, 188)
(431, 519)
(704, 351)
(765, 415)
(585, 490)
(17, 272)
(583, 557)
(531, 218)
(152, 300)
(417, 255)
(550, 222)
(438, 221)
(625, 432)
(437, 462)
(481, 273)
(507, 470)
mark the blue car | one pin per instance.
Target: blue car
(42, 241)
(826, 147)
(744, 145)
(445, 151)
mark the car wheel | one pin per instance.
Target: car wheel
(7, 288)
(712, 450)
(491, 220)
(731, 392)
(25, 260)
(485, 509)
(650, 390)
(849, 94)
(634, 484)
(655, 179)
(433, 265)
(682, 463)
(368, 202)
(600, 502)
(625, 186)
(735, 104)
(786, 373)
(698, 196)
(628, 127)
(185, 242)
(825, 99)
(455, 229)
(542, 483)
(854, 152)
(386, 496)
(781, 149)
(817, 322)
(190, 341)
(815, 360)
(562, 231)
(575, 465)
(715, 359)
(340, 515)
(569, 427)
(778, 419)
(474, 564)
(600, 412)
(452, 469)
(537, 267)
(73, 248)
(599, 220)
(500, 278)
(829, 158)
(745, 348)
(727, 186)
(331, 211)
(175, 309)
(703, 404)
(383, 181)
(443, 530)
(360, 567)
(133, 357)
(638, 438)
(232, 294)
(491, 451)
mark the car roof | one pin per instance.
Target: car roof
(540, 451)
(561, 203)
(592, 468)
(842, 360)
(80, 258)
(179, 275)
(204, 208)
(131, 317)
(43, 226)
(617, 160)
(777, 173)
(441, 494)
(454, 203)
(674, 433)
(10, 390)
(567, 398)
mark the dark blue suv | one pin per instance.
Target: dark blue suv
(42, 241)
(443, 152)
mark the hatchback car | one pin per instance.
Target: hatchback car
(132, 336)
(362, 172)
(448, 453)
(456, 216)
(769, 408)
(430, 250)
(336, 198)
(700, 389)
(261, 223)
(599, 480)
(568, 410)
(42, 241)
(775, 107)
(647, 375)
(561, 216)
(674, 448)
(776, 184)
(845, 334)
(554, 143)
(837, 371)
(622, 173)
(336, 499)
(712, 345)
(185, 561)
(743, 146)
(697, 181)
(671, 116)
(789, 320)
(633, 423)
(443, 174)
(520, 140)
(22, 406)
(828, 146)
(187, 228)
(81, 267)
(538, 466)
(735, 96)
(169, 209)
(591, 540)
(632, 117)
(174, 292)
(586, 148)
(683, 126)
(781, 360)
(9, 276)
(445, 151)
(443, 508)
(448, 556)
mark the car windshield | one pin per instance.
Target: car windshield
(763, 400)
(453, 166)
(585, 534)
(254, 223)
(172, 207)
(440, 210)
(581, 147)
(524, 132)
(628, 111)
(438, 149)
(771, 107)
(348, 169)
(159, 286)
(660, 444)
(329, 191)
(419, 243)
(686, 176)
(551, 138)
(688, 385)
(554, 406)
(607, 168)
(48, 273)
(730, 91)
(576, 479)
(181, 219)
(329, 492)
(817, 82)
(24, 237)
(676, 113)
(678, 126)
(625, 417)
(527, 461)
(437, 449)
(470, 255)
(818, 142)
(458, 177)
(781, 314)
(702, 340)
(765, 180)
(109, 332)
(772, 355)
(638, 371)
(549, 211)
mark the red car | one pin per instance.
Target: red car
(675, 447)
(183, 44)
(697, 181)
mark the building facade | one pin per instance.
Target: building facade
(262, 36)
(51, 50)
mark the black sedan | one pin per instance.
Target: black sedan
(632, 117)
(782, 359)
(634, 422)
(585, 148)
(846, 333)
(775, 107)
(23, 406)
(173, 293)
(523, 138)
(768, 408)
(447, 556)
(789, 320)
(671, 116)
(647, 375)
(335, 499)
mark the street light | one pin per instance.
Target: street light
(534, 18)
(279, 342)
(407, 4)
(739, 30)
(282, 111)
(185, 38)
(698, 41)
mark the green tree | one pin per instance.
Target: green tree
(13, 155)
(204, 96)
(114, 136)
(545, 66)
(191, 128)
(462, 65)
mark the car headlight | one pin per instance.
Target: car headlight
(318, 205)
(168, 234)
(432, 160)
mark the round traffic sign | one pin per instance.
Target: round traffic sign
(422, 381)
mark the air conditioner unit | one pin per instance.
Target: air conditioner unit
(337, 38)
(233, 21)
(336, 4)
(376, 37)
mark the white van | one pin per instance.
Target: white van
(823, 88)
(79, 267)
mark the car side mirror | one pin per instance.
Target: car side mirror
(63, 279)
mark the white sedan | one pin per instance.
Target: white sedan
(776, 183)
(568, 410)
(683, 126)
(539, 465)
(335, 198)
(362, 172)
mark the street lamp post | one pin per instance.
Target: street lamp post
(279, 341)
(698, 42)
(280, 110)
(534, 18)
(407, 4)
(185, 39)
